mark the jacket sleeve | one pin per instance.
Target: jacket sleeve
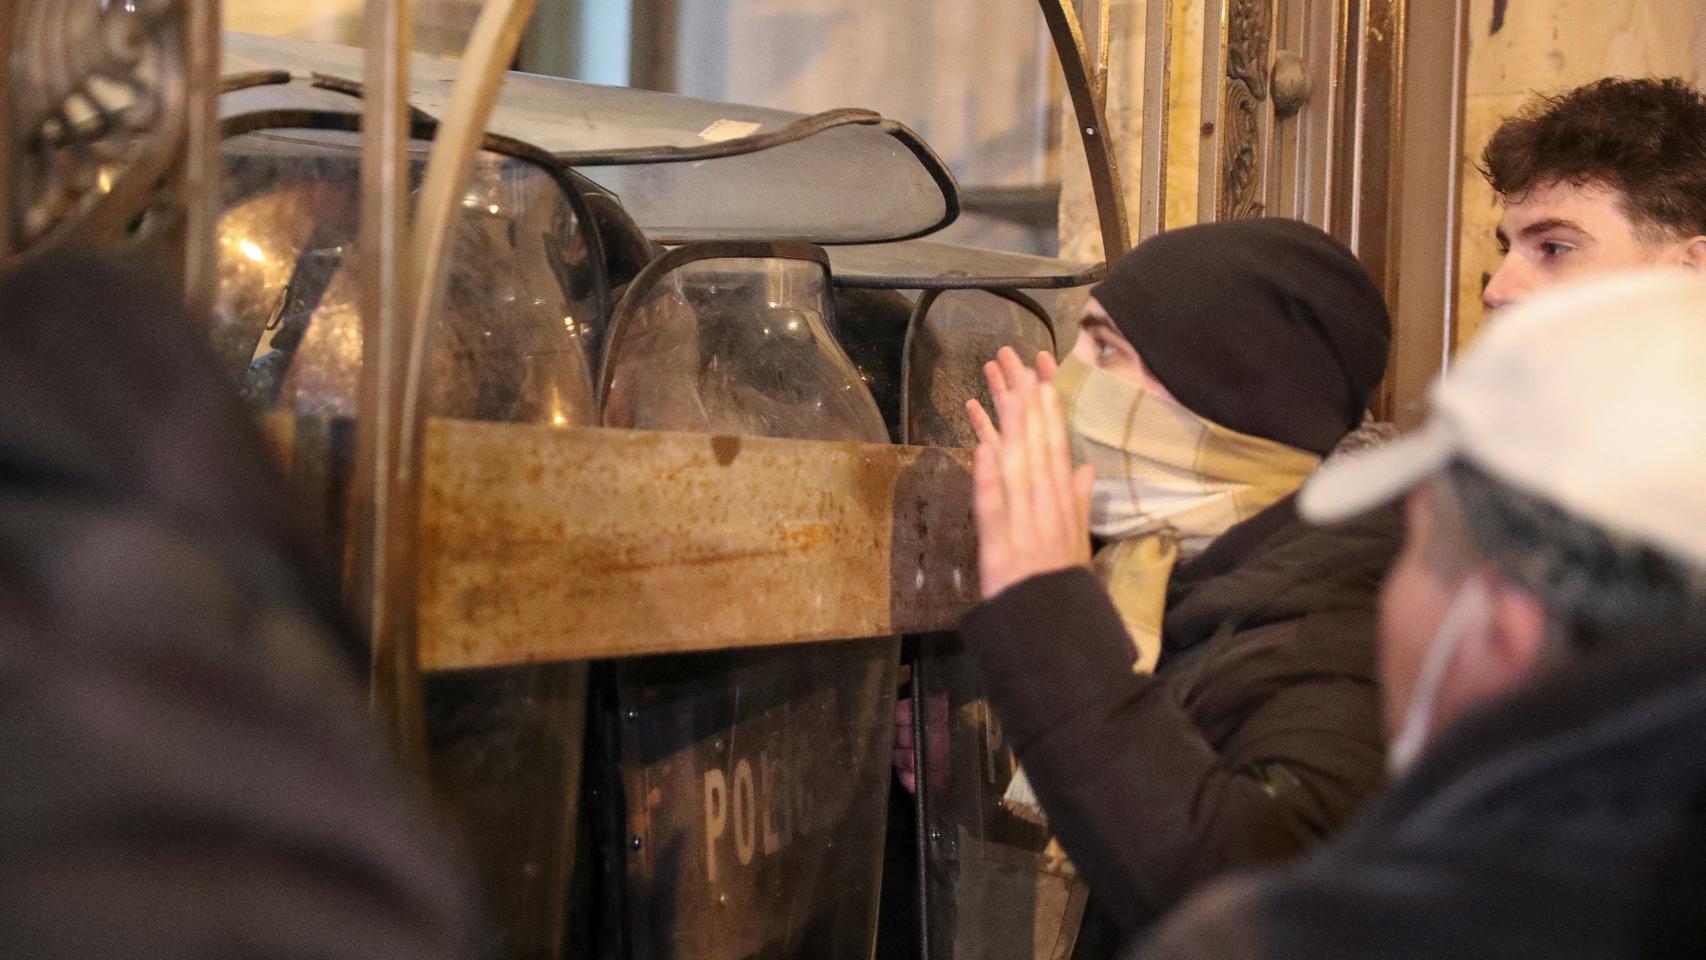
(1141, 800)
(192, 775)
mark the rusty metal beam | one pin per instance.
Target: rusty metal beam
(542, 544)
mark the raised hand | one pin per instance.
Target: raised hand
(1033, 509)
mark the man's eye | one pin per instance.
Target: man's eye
(1550, 249)
(1104, 350)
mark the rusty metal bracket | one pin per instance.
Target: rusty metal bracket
(1087, 105)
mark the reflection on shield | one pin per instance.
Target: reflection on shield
(526, 298)
(994, 880)
(752, 782)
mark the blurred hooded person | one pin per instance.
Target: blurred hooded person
(1199, 695)
(190, 771)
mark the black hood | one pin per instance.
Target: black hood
(1275, 567)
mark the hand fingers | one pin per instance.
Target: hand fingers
(1059, 459)
(981, 425)
(1046, 366)
(997, 382)
(1018, 376)
(1018, 479)
(1044, 497)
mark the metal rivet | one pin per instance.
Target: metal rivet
(1089, 131)
(635, 843)
(633, 715)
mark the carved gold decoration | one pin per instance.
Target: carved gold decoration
(1240, 154)
(1247, 42)
(99, 115)
(110, 120)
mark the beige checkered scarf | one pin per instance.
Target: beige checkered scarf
(1167, 483)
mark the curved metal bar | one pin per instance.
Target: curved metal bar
(1000, 286)
(795, 132)
(201, 168)
(798, 130)
(1068, 39)
(385, 492)
(921, 313)
(254, 78)
(351, 88)
(1104, 45)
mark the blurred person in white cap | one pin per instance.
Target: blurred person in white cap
(1542, 652)
(1543, 656)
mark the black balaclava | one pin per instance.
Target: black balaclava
(1268, 327)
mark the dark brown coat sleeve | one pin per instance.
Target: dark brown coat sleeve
(1144, 803)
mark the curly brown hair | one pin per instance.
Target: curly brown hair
(1645, 138)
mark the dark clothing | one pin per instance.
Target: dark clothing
(1258, 735)
(1269, 327)
(189, 771)
(1566, 821)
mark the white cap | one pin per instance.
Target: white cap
(1591, 395)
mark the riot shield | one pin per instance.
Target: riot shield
(752, 782)
(994, 885)
(527, 295)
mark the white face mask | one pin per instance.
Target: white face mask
(1472, 603)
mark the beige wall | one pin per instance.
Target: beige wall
(1548, 46)
(441, 26)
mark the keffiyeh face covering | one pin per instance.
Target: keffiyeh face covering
(1167, 483)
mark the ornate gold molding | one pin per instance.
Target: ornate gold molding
(108, 127)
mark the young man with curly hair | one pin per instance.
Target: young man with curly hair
(1607, 176)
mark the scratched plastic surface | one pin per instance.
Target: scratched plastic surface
(755, 782)
(519, 320)
(738, 346)
(996, 888)
(525, 303)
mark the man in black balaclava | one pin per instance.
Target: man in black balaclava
(1200, 695)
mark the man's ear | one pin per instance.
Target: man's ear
(1693, 254)
(1517, 631)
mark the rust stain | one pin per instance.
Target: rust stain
(726, 448)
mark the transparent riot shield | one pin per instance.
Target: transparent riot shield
(527, 295)
(752, 782)
(994, 885)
